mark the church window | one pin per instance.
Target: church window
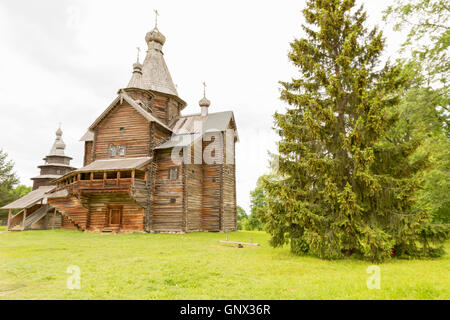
(112, 150)
(173, 173)
(122, 150)
(115, 150)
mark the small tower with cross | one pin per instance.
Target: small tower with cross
(56, 163)
(204, 102)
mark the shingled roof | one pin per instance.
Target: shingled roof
(30, 198)
(184, 128)
(155, 74)
(115, 164)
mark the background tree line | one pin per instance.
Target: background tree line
(10, 189)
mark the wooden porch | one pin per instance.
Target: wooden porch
(86, 198)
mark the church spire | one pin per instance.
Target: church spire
(155, 74)
(136, 78)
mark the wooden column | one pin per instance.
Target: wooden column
(24, 217)
(9, 219)
(91, 178)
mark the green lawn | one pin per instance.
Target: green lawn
(2, 228)
(33, 265)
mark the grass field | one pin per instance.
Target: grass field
(2, 228)
(33, 265)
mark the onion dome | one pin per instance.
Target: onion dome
(155, 36)
(204, 102)
(58, 146)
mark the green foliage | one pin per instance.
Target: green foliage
(257, 207)
(8, 179)
(246, 222)
(241, 217)
(345, 186)
(428, 35)
(424, 112)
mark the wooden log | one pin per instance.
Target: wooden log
(9, 219)
(242, 243)
(24, 217)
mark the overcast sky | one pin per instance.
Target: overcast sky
(63, 62)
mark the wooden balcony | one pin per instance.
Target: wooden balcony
(102, 182)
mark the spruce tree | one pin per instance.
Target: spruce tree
(344, 186)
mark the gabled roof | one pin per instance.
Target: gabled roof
(30, 198)
(123, 96)
(213, 122)
(185, 128)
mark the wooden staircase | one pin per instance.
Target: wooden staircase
(73, 209)
(15, 222)
(35, 217)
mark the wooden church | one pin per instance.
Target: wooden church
(146, 166)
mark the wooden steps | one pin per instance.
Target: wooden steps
(72, 209)
(35, 217)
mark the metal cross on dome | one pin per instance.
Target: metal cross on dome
(204, 89)
(138, 52)
(156, 18)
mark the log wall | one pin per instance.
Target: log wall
(132, 213)
(212, 181)
(194, 195)
(135, 135)
(88, 145)
(167, 204)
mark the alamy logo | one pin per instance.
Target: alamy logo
(74, 280)
(191, 149)
(374, 281)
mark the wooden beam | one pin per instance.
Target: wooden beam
(9, 219)
(24, 217)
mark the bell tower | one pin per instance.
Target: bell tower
(56, 164)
